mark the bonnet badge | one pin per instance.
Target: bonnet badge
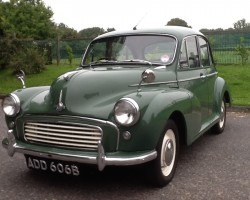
(60, 106)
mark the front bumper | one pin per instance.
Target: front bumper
(100, 158)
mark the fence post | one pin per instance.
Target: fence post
(58, 51)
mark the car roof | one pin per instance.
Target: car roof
(176, 31)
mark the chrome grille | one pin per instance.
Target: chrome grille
(63, 134)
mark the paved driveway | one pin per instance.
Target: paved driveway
(214, 167)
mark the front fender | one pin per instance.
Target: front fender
(154, 115)
(28, 94)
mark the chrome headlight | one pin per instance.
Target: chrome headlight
(11, 105)
(126, 112)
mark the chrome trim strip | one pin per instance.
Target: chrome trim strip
(101, 159)
(156, 83)
(212, 74)
(171, 82)
(190, 79)
(198, 77)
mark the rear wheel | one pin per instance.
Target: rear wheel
(162, 169)
(220, 125)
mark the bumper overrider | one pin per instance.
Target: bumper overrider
(100, 158)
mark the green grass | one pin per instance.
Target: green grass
(237, 77)
(9, 83)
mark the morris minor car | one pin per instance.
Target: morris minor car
(135, 98)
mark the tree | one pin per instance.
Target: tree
(241, 25)
(22, 19)
(177, 22)
(242, 51)
(27, 19)
(93, 32)
(110, 29)
(65, 32)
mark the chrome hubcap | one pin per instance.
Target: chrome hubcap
(168, 152)
(222, 115)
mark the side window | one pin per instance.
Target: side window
(183, 56)
(204, 51)
(192, 52)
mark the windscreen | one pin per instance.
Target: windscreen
(158, 49)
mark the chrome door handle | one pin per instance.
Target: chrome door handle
(202, 75)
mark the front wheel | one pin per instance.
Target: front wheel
(162, 169)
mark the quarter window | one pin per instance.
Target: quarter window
(205, 59)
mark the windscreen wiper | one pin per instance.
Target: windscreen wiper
(137, 61)
(102, 61)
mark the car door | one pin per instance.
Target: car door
(191, 75)
(211, 74)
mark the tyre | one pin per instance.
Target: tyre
(220, 125)
(162, 169)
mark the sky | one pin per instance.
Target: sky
(124, 15)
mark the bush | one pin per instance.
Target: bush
(7, 53)
(30, 60)
(19, 55)
(242, 51)
(70, 54)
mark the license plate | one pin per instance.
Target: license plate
(53, 166)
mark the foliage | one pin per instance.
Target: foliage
(70, 54)
(6, 54)
(18, 54)
(93, 32)
(26, 19)
(242, 51)
(64, 32)
(31, 59)
(241, 25)
(177, 22)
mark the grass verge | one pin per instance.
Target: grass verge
(237, 77)
(9, 83)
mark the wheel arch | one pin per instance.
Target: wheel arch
(227, 97)
(222, 91)
(180, 122)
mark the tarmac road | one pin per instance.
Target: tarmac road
(214, 167)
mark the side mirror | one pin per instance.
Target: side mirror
(21, 76)
(147, 76)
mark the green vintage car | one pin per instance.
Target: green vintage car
(135, 98)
